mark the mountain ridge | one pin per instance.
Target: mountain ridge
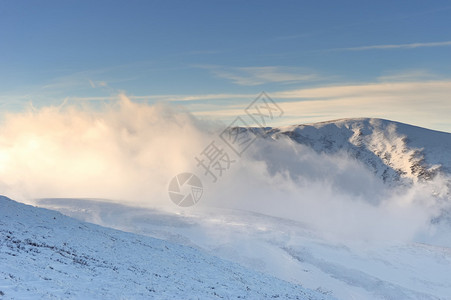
(394, 151)
(365, 119)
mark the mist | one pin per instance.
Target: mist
(124, 151)
(128, 152)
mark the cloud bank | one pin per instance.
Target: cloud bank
(128, 152)
(124, 150)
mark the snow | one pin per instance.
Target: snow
(44, 254)
(286, 249)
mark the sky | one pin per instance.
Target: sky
(319, 60)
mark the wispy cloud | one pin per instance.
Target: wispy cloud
(252, 76)
(93, 85)
(422, 103)
(409, 75)
(294, 36)
(169, 98)
(97, 84)
(202, 52)
(76, 81)
(396, 46)
(405, 97)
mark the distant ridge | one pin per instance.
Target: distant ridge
(393, 151)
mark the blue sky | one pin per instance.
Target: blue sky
(320, 59)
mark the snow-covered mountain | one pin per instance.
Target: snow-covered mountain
(46, 255)
(393, 150)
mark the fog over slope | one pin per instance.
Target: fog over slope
(44, 254)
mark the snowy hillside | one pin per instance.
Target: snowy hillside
(289, 250)
(392, 150)
(44, 254)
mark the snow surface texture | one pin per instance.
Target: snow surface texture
(286, 249)
(44, 254)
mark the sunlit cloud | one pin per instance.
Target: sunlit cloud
(169, 98)
(198, 97)
(86, 138)
(422, 103)
(377, 89)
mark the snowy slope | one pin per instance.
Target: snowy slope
(392, 150)
(44, 254)
(286, 249)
